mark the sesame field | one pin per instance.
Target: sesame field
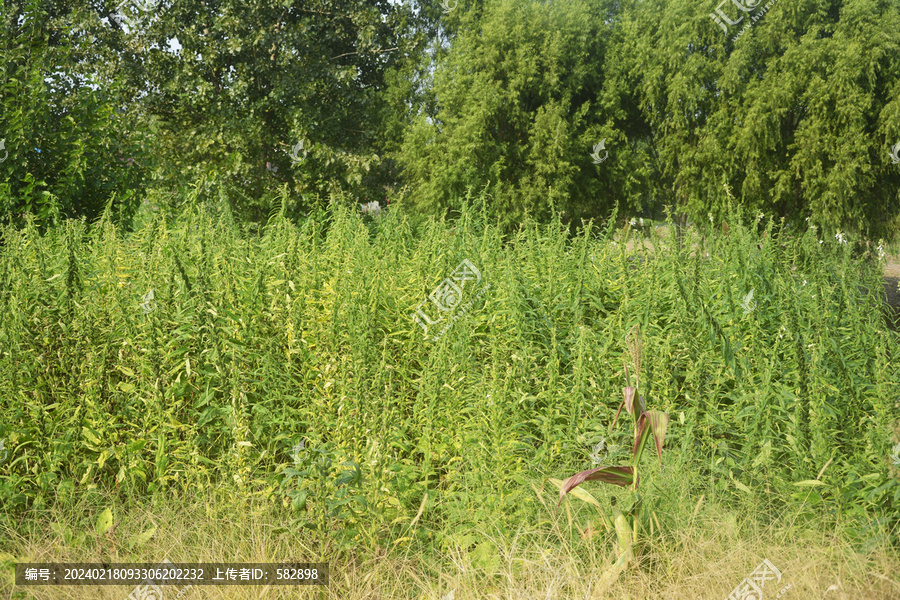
(404, 400)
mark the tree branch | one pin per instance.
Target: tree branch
(376, 52)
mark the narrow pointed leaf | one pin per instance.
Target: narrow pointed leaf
(659, 422)
(652, 423)
(628, 392)
(641, 433)
(579, 493)
(613, 424)
(621, 476)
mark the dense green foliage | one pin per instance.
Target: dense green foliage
(797, 115)
(795, 108)
(63, 141)
(253, 342)
(254, 79)
(250, 82)
(519, 109)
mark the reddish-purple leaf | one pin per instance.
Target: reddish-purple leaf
(621, 476)
(629, 399)
(652, 422)
(617, 415)
(641, 429)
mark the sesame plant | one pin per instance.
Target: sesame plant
(647, 424)
(324, 490)
(185, 357)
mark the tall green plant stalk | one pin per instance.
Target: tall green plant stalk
(647, 424)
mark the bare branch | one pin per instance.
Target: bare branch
(376, 52)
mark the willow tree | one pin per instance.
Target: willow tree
(795, 105)
(518, 108)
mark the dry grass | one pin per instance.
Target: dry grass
(705, 558)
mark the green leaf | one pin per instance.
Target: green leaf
(741, 486)
(101, 460)
(624, 535)
(104, 521)
(299, 502)
(90, 435)
(137, 446)
(142, 538)
(485, 556)
(809, 483)
(579, 493)
(7, 559)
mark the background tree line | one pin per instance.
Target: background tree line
(794, 108)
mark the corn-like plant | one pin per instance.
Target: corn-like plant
(647, 424)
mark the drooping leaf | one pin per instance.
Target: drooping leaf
(579, 493)
(659, 423)
(621, 476)
(651, 423)
(584, 496)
